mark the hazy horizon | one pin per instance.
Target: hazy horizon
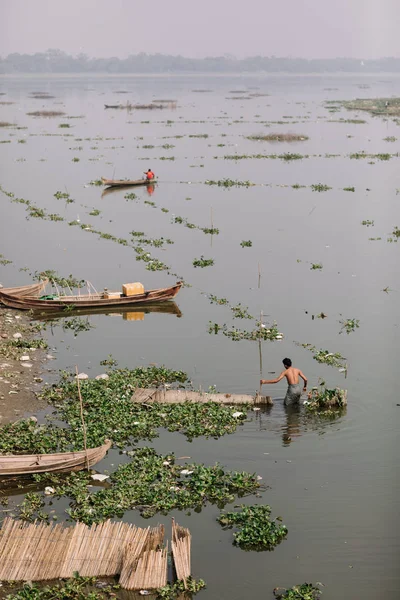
(318, 29)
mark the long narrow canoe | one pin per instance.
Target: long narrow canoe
(126, 182)
(61, 462)
(84, 301)
(33, 289)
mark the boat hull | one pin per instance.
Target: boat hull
(85, 301)
(61, 462)
(126, 182)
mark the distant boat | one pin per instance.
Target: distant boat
(126, 182)
(104, 299)
(33, 289)
(61, 462)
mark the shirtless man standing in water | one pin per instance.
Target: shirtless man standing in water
(292, 375)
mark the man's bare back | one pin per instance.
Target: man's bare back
(292, 377)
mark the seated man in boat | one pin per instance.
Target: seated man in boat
(149, 175)
(292, 375)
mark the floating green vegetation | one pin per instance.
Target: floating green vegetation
(64, 125)
(6, 124)
(76, 588)
(375, 106)
(246, 244)
(180, 590)
(151, 483)
(227, 183)
(22, 141)
(332, 359)
(36, 212)
(381, 156)
(297, 186)
(4, 261)
(368, 222)
(75, 159)
(215, 300)
(55, 217)
(316, 266)
(278, 137)
(305, 591)
(254, 528)
(157, 243)
(96, 182)
(199, 135)
(396, 232)
(46, 113)
(287, 156)
(349, 325)
(184, 221)
(375, 239)
(64, 282)
(64, 196)
(95, 212)
(166, 158)
(390, 138)
(241, 312)
(152, 264)
(350, 121)
(320, 187)
(130, 196)
(260, 332)
(203, 262)
(322, 398)
(349, 189)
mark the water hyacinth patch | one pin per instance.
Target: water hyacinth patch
(321, 398)
(152, 483)
(254, 528)
(305, 591)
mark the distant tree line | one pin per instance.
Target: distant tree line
(57, 61)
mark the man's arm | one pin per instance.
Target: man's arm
(304, 378)
(281, 376)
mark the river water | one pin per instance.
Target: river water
(334, 482)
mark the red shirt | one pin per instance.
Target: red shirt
(150, 175)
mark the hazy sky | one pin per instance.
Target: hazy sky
(198, 28)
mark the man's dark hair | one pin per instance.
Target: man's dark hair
(287, 362)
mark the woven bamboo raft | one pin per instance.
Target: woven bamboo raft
(164, 396)
(40, 552)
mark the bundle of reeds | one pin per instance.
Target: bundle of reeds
(181, 541)
(148, 570)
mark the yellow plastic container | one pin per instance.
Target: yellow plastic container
(133, 289)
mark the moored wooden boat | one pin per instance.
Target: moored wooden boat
(126, 182)
(33, 289)
(96, 300)
(61, 462)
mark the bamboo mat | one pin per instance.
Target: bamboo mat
(39, 552)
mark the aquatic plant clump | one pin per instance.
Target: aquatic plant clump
(227, 183)
(320, 398)
(333, 359)
(305, 591)
(254, 528)
(278, 137)
(261, 331)
(152, 483)
(75, 588)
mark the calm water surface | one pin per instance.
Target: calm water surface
(335, 482)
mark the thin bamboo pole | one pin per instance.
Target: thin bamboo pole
(82, 419)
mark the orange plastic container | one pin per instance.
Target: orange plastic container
(132, 289)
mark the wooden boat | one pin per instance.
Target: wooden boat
(121, 188)
(170, 308)
(25, 290)
(61, 462)
(126, 182)
(97, 300)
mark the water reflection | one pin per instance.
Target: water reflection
(291, 422)
(128, 313)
